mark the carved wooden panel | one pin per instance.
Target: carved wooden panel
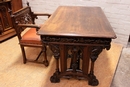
(7, 7)
(5, 17)
(24, 17)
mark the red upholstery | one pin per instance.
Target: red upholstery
(31, 37)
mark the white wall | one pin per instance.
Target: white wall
(117, 12)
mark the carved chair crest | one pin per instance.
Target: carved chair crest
(23, 16)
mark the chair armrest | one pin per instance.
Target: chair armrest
(42, 14)
(29, 25)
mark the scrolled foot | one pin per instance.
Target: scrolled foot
(54, 79)
(92, 80)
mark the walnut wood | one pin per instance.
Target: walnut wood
(7, 7)
(16, 5)
(78, 21)
(85, 32)
(22, 19)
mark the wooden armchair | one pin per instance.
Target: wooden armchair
(25, 19)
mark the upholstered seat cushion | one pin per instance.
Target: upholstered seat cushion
(31, 37)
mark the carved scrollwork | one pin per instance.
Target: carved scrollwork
(77, 40)
(26, 19)
(4, 10)
(55, 49)
(96, 50)
(108, 47)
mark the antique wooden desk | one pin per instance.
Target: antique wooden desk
(80, 34)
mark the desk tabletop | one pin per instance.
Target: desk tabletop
(78, 21)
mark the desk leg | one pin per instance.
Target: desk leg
(56, 51)
(94, 55)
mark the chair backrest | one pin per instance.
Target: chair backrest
(22, 16)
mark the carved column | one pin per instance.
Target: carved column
(95, 51)
(56, 51)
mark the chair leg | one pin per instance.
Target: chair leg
(46, 63)
(24, 55)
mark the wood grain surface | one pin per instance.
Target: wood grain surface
(78, 21)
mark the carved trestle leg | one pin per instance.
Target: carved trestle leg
(96, 50)
(56, 51)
